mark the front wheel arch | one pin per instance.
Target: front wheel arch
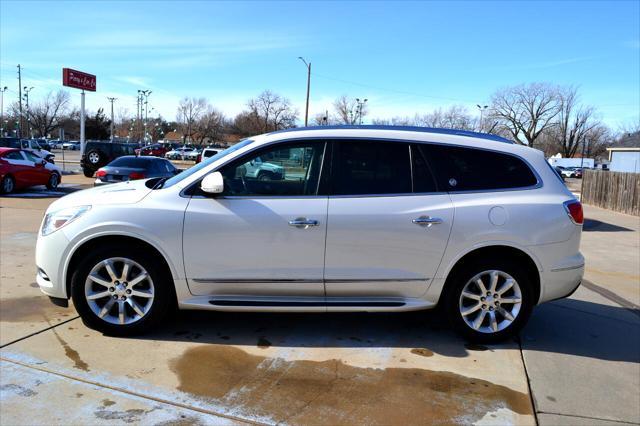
(112, 240)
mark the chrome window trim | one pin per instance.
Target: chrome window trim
(539, 182)
(294, 280)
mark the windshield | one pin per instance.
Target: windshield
(190, 171)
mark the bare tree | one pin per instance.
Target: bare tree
(210, 125)
(455, 117)
(189, 112)
(270, 112)
(525, 111)
(46, 115)
(574, 122)
(347, 111)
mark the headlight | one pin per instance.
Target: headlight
(56, 220)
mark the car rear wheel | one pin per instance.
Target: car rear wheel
(54, 180)
(87, 172)
(121, 292)
(8, 185)
(94, 157)
(489, 301)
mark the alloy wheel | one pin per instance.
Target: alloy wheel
(94, 157)
(490, 301)
(119, 291)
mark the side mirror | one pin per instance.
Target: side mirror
(213, 183)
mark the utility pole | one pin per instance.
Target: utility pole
(111, 100)
(2, 130)
(26, 98)
(139, 114)
(20, 99)
(306, 111)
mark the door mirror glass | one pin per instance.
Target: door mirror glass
(213, 183)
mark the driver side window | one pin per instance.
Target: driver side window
(281, 170)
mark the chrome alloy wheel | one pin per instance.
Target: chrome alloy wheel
(119, 291)
(490, 301)
(94, 158)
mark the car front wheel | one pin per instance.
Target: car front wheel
(53, 182)
(121, 292)
(489, 302)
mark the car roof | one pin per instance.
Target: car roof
(3, 150)
(432, 130)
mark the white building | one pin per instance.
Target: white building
(624, 159)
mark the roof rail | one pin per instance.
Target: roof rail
(455, 132)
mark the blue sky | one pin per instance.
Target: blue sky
(404, 57)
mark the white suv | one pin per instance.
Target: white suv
(364, 218)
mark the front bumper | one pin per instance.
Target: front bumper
(50, 254)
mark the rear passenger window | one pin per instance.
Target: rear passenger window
(469, 169)
(366, 167)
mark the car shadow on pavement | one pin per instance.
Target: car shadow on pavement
(569, 326)
(593, 225)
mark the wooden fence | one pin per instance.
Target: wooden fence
(612, 190)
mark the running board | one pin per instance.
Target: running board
(266, 304)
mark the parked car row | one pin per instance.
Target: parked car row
(21, 168)
(570, 172)
(30, 145)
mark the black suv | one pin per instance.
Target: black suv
(98, 154)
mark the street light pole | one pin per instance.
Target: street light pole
(111, 100)
(306, 111)
(26, 97)
(482, 109)
(4, 89)
(146, 94)
(359, 109)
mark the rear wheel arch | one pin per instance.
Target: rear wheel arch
(88, 246)
(522, 258)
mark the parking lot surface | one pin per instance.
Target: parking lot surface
(577, 362)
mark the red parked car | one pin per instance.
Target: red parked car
(155, 150)
(21, 169)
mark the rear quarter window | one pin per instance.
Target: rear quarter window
(470, 169)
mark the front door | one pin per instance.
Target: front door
(264, 235)
(388, 225)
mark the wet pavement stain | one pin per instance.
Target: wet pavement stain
(34, 285)
(332, 392)
(128, 416)
(421, 352)
(18, 390)
(107, 402)
(71, 353)
(29, 308)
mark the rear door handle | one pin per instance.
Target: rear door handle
(303, 222)
(427, 221)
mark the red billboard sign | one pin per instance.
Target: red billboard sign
(78, 79)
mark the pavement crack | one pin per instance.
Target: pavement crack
(526, 375)
(35, 333)
(589, 417)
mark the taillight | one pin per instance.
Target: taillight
(101, 173)
(574, 210)
(136, 175)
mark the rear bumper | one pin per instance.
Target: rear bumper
(562, 281)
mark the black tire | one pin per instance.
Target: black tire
(264, 176)
(8, 185)
(163, 303)
(87, 172)
(459, 279)
(54, 181)
(94, 157)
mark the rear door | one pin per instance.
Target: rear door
(388, 225)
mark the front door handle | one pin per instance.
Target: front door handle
(427, 221)
(303, 222)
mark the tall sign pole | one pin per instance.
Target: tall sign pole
(83, 81)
